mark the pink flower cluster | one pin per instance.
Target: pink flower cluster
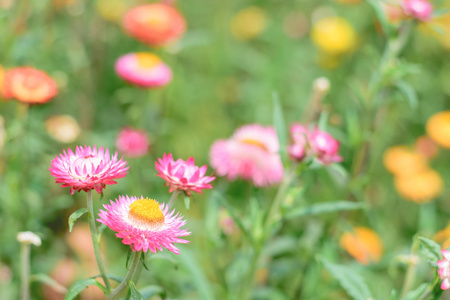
(307, 144)
(251, 154)
(421, 10)
(444, 269)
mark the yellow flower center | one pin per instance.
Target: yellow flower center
(255, 143)
(146, 212)
(147, 60)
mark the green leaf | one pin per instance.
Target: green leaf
(279, 124)
(44, 278)
(321, 208)
(100, 230)
(430, 249)
(135, 294)
(110, 276)
(152, 290)
(323, 121)
(381, 16)
(408, 92)
(79, 286)
(75, 216)
(415, 294)
(440, 12)
(187, 202)
(352, 282)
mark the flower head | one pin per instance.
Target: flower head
(143, 69)
(251, 154)
(29, 85)
(132, 142)
(183, 175)
(28, 237)
(87, 169)
(154, 24)
(418, 9)
(62, 128)
(438, 128)
(248, 23)
(363, 244)
(324, 147)
(144, 224)
(402, 160)
(334, 35)
(420, 187)
(300, 139)
(444, 269)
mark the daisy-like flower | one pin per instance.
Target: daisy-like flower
(183, 175)
(143, 69)
(87, 169)
(251, 154)
(132, 142)
(324, 147)
(29, 85)
(155, 24)
(444, 269)
(144, 224)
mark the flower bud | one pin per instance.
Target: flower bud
(325, 147)
(418, 9)
(28, 237)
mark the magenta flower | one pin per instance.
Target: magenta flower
(444, 269)
(251, 154)
(143, 69)
(299, 142)
(132, 142)
(87, 169)
(324, 147)
(418, 9)
(183, 175)
(144, 224)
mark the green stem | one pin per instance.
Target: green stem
(173, 198)
(131, 271)
(411, 271)
(25, 271)
(95, 241)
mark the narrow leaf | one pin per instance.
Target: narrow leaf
(279, 124)
(408, 92)
(352, 282)
(75, 216)
(415, 294)
(44, 278)
(152, 290)
(79, 286)
(111, 276)
(100, 230)
(321, 208)
(135, 294)
(381, 16)
(430, 249)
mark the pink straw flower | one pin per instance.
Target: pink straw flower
(87, 169)
(132, 142)
(300, 138)
(251, 154)
(143, 69)
(183, 175)
(324, 147)
(418, 9)
(444, 269)
(144, 224)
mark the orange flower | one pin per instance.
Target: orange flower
(438, 128)
(443, 237)
(29, 85)
(363, 244)
(154, 24)
(420, 187)
(401, 160)
(427, 147)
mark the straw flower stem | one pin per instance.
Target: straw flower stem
(25, 271)
(95, 241)
(131, 271)
(411, 271)
(173, 198)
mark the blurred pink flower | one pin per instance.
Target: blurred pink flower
(444, 269)
(132, 142)
(144, 224)
(183, 175)
(324, 147)
(143, 69)
(251, 153)
(418, 9)
(299, 137)
(87, 169)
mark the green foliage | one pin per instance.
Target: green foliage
(430, 249)
(322, 208)
(75, 216)
(80, 285)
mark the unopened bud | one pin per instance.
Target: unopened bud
(321, 85)
(28, 237)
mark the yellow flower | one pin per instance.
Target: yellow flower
(401, 160)
(62, 128)
(363, 244)
(420, 187)
(111, 10)
(443, 237)
(248, 23)
(438, 128)
(334, 35)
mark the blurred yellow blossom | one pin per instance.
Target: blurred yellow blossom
(420, 187)
(443, 237)
(248, 23)
(363, 244)
(62, 128)
(438, 128)
(111, 10)
(402, 160)
(334, 35)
